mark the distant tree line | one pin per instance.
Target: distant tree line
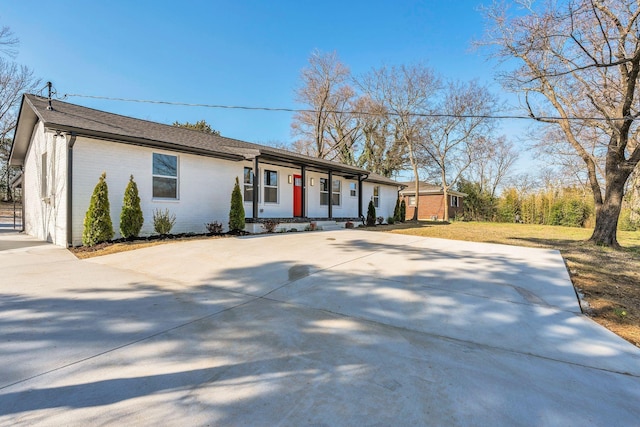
(389, 120)
(570, 206)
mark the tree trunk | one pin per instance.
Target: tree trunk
(445, 194)
(417, 178)
(414, 165)
(445, 216)
(606, 229)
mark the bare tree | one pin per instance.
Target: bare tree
(8, 42)
(580, 62)
(14, 81)
(406, 93)
(343, 127)
(324, 89)
(382, 150)
(454, 141)
(491, 171)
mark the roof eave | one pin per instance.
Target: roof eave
(333, 166)
(143, 142)
(27, 119)
(432, 192)
(385, 182)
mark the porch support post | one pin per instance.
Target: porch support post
(256, 186)
(330, 201)
(303, 197)
(360, 196)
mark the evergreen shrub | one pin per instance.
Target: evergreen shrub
(236, 212)
(131, 218)
(98, 227)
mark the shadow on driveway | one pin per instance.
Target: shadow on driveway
(357, 331)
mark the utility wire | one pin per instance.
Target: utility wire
(366, 113)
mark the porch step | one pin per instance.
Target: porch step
(329, 225)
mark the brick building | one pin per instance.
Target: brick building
(431, 202)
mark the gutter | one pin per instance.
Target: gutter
(72, 141)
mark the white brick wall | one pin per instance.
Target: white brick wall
(386, 202)
(204, 185)
(45, 213)
(204, 188)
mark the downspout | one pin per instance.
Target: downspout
(72, 141)
(303, 198)
(360, 179)
(22, 228)
(330, 201)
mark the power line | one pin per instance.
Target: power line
(365, 113)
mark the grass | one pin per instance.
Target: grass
(608, 279)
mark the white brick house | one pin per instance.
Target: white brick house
(63, 148)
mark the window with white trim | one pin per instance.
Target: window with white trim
(270, 186)
(412, 200)
(324, 191)
(376, 196)
(455, 202)
(248, 184)
(336, 192)
(353, 192)
(165, 176)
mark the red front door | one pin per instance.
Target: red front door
(297, 195)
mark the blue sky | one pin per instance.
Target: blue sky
(246, 53)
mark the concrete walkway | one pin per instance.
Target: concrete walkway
(327, 328)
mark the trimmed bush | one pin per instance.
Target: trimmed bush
(131, 218)
(236, 213)
(97, 222)
(396, 212)
(270, 225)
(214, 227)
(371, 214)
(391, 220)
(163, 221)
(403, 211)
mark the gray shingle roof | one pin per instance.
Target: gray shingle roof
(68, 117)
(71, 117)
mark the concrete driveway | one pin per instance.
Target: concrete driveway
(326, 328)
